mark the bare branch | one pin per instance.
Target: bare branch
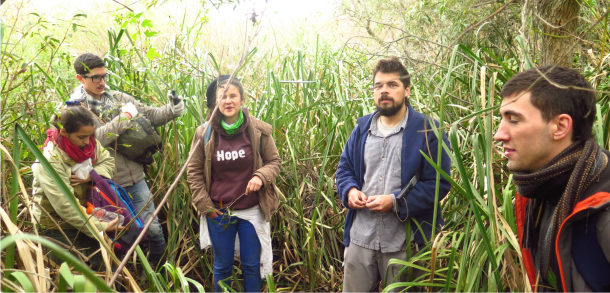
(123, 5)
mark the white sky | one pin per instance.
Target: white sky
(275, 10)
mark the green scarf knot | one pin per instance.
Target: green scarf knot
(230, 129)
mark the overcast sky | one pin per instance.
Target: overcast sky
(275, 10)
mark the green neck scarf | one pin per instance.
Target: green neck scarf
(230, 129)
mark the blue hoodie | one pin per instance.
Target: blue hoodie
(419, 202)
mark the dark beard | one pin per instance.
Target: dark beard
(391, 111)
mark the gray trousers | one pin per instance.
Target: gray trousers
(365, 268)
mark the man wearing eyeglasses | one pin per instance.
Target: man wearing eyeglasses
(114, 110)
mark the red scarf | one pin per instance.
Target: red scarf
(73, 151)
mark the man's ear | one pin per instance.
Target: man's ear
(408, 91)
(80, 78)
(562, 127)
(63, 132)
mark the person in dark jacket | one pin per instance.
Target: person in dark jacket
(562, 178)
(381, 157)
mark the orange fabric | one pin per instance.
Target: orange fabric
(106, 197)
(590, 202)
(520, 204)
(528, 262)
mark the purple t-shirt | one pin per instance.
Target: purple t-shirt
(232, 169)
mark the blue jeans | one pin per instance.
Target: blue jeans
(223, 230)
(142, 199)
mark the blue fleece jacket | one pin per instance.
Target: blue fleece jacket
(419, 203)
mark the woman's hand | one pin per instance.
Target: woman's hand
(214, 214)
(74, 181)
(255, 184)
(114, 225)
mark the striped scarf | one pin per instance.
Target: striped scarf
(586, 162)
(96, 106)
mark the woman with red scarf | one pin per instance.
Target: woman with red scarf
(72, 151)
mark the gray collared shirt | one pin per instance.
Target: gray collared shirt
(382, 172)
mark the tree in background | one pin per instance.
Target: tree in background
(558, 20)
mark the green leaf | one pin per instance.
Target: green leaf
(152, 53)
(81, 284)
(525, 53)
(183, 282)
(147, 23)
(24, 281)
(198, 285)
(65, 277)
(150, 34)
(152, 277)
(270, 283)
(214, 63)
(552, 279)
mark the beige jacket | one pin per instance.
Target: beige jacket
(108, 129)
(267, 166)
(48, 195)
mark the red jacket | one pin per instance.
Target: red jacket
(596, 199)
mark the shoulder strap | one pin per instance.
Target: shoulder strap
(97, 179)
(588, 255)
(208, 133)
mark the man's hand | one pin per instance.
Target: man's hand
(214, 214)
(356, 199)
(114, 225)
(74, 181)
(177, 105)
(130, 109)
(380, 203)
(255, 184)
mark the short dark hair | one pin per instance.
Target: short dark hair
(86, 62)
(393, 65)
(577, 100)
(71, 118)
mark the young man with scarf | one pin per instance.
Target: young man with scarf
(381, 157)
(114, 110)
(562, 177)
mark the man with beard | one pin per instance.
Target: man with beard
(381, 157)
(562, 177)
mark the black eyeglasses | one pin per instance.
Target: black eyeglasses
(96, 78)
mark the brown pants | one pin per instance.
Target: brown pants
(365, 268)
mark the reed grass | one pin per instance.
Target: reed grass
(477, 250)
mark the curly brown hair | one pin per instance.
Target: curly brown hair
(393, 65)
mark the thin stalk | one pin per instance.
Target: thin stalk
(10, 252)
(159, 207)
(439, 150)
